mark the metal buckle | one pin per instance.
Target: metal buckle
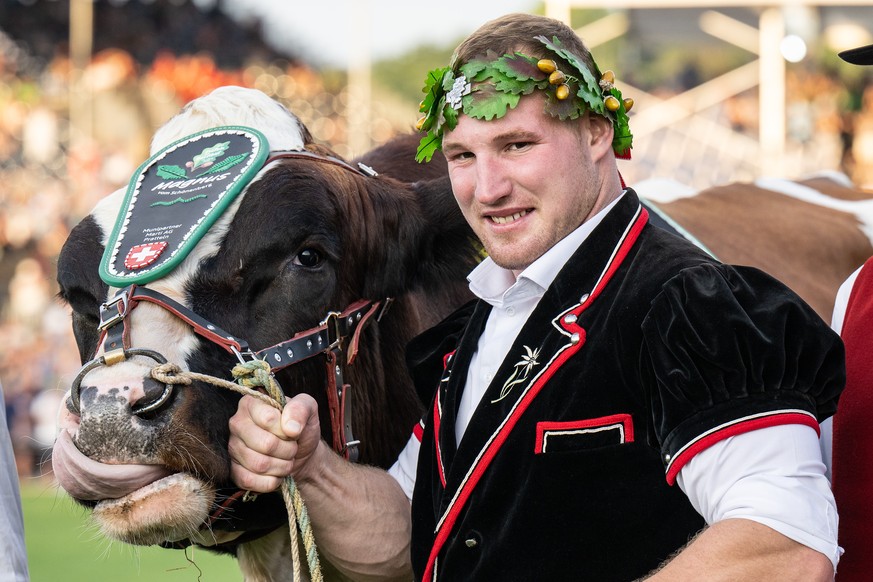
(332, 325)
(240, 355)
(122, 297)
(384, 309)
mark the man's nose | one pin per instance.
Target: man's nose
(492, 180)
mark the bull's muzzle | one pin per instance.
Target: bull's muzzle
(145, 405)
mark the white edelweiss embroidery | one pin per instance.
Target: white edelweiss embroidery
(521, 373)
(460, 88)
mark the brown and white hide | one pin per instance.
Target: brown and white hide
(809, 233)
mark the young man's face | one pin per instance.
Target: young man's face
(524, 181)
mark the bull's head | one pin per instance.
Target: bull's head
(303, 237)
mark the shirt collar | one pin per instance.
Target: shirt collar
(498, 286)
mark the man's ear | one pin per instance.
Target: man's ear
(600, 134)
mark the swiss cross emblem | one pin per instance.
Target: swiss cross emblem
(143, 255)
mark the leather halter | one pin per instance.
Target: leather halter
(338, 332)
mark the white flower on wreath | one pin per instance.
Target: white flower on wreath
(460, 88)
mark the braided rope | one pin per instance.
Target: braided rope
(250, 375)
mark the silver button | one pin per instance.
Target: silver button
(574, 339)
(471, 543)
(571, 318)
(584, 298)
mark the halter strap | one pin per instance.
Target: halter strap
(338, 332)
(360, 168)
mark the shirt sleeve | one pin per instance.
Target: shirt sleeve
(774, 476)
(732, 350)
(404, 468)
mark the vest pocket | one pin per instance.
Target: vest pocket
(592, 433)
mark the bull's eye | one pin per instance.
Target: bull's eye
(307, 258)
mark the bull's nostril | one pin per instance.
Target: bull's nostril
(155, 395)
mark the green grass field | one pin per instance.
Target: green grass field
(63, 545)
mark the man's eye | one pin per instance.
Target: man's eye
(307, 258)
(460, 156)
(518, 145)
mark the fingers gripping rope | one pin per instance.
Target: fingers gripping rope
(249, 376)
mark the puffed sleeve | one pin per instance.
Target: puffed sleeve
(730, 350)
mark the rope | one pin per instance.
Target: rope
(250, 375)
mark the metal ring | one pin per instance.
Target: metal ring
(76, 388)
(77, 383)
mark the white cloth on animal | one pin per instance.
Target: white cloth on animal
(752, 476)
(13, 554)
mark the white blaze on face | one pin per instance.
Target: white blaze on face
(234, 106)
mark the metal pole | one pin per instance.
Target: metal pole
(359, 107)
(771, 106)
(81, 44)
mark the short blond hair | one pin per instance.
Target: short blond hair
(518, 32)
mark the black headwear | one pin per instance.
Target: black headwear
(858, 56)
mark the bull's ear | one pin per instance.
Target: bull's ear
(429, 246)
(80, 285)
(449, 248)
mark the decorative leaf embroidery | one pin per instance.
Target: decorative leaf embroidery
(209, 155)
(172, 173)
(225, 164)
(521, 372)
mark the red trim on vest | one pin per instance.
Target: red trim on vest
(445, 527)
(418, 431)
(615, 420)
(436, 439)
(852, 448)
(436, 423)
(741, 426)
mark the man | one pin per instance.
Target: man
(845, 442)
(613, 395)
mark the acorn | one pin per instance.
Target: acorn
(608, 76)
(547, 65)
(628, 103)
(611, 103)
(420, 123)
(422, 107)
(562, 91)
(557, 77)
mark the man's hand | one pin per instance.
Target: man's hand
(266, 446)
(359, 514)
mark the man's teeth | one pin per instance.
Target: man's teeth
(508, 219)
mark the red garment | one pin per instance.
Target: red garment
(852, 446)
